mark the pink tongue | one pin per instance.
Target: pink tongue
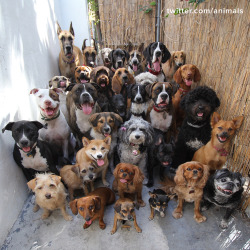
(103, 84)
(165, 163)
(89, 222)
(106, 135)
(135, 67)
(49, 112)
(87, 109)
(223, 138)
(83, 81)
(26, 149)
(62, 84)
(188, 82)
(100, 162)
(123, 180)
(157, 66)
(200, 114)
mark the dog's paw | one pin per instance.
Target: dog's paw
(45, 216)
(102, 226)
(105, 183)
(200, 218)
(162, 214)
(138, 230)
(86, 225)
(112, 231)
(36, 208)
(177, 215)
(68, 217)
(223, 224)
(142, 203)
(151, 217)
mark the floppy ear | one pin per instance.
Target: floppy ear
(149, 88)
(146, 52)
(238, 121)
(179, 178)
(73, 206)
(130, 46)
(110, 56)
(32, 184)
(84, 44)
(159, 139)
(71, 30)
(8, 126)
(126, 55)
(56, 178)
(50, 83)
(177, 76)
(174, 86)
(118, 119)
(97, 201)
(116, 84)
(149, 135)
(39, 125)
(34, 91)
(166, 54)
(70, 87)
(59, 30)
(94, 119)
(117, 207)
(139, 177)
(205, 176)
(107, 140)
(141, 47)
(131, 79)
(197, 75)
(215, 119)
(76, 169)
(93, 75)
(117, 168)
(85, 141)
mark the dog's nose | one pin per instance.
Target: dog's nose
(164, 96)
(99, 156)
(138, 99)
(85, 95)
(125, 78)
(24, 143)
(68, 48)
(158, 53)
(195, 171)
(87, 218)
(91, 176)
(48, 196)
(124, 175)
(119, 63)
(180, 64)
(130, 217)
(106, 129)
(201, 107)
(137, 136)
(47, 102)
(91, 64)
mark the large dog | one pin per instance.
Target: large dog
(102, 58)
(117, 58)
(89, 53)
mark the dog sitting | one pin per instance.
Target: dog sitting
(118, 57)
(31, 154)
(118, 105)
(50, 194)
(82, 74)
(190, 179)
(89, 53)
(70, 56)
(102, 58)
(223, 189)
(125, 211)
(214, 153)
(128, 180)
(177, 59)
(92, 207)
(158, 201)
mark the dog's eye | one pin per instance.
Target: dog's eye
(84, 171)
(70, 38)
(124, 211)
(87, 54)
(220, 128)
(142, 129)
(62, 38)
(52, 185)
(111, 121)
(230, 129)
(40, 96)
(90, 207)
(119, 72)
(81, 208)
(237, 184)
(78, 71)
(102, 148)
(101, 121)
(199, 169)
(93, 54)
(122, 170)
(93, 148)
(130, 173)
(40, 188)
(56, 79)
(223, 180)
(188, 169)
(132, 210)
(175, 57)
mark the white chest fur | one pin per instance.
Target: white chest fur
(195, 144)
(139, 108)
(158, 121)
(82, 121)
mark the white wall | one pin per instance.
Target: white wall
(29, 51)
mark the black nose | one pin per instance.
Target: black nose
(85, 94)
(180, 64)
(124, 175)
(137, 136)
(99, 156)
(48, 196)
(195, 171)
(106, 129)
(158, 53)
(138, 99)
(224, 134)
(91, 176)
(24, 143)
(164, 96)
(87, 218)
(125, 77)
(119, 64)
(201, 107)
(68, 48)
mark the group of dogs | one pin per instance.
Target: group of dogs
(131, 111)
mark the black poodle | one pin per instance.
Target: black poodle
(195, 131)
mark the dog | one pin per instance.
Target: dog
(156, 53)
(81, 104)
(177, 59)
(50, 194)
(118, 105)
(117, 58)
(70, 56)
(92, 207)
(195, 131)
(146, 78)
(95, 151)
(223, 189)
(82, 74)
(190, 179)
(158, 201)
(128, 180)
(89, 53)
(31, 154)
(102, 58)
(125, 211)
(135, 138)
(214, 153)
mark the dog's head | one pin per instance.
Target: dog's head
(89, 52)
(82, 74)
(135, 56)
(178, 58)
(101, 76)
(192, 171)
(146, 78)
(66, 40)
(187, 74)
(138, 93)
(85, 170)
(126, 208)
(119, 105)
(158, 200)
(118, 57)
(61, 82)
(103, 57)
(25, 133)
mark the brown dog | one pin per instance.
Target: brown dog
(125, 210)
(61, 82)
(214, 153)
(190, 179)
(82, 74)
(89, 53)
(70, 56)
(92, 206)
(128, 180)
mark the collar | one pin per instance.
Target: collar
(32, 151)
(183, 91)
(152, 70)
(69, 62)
(136, 114)
(158, 110)
(196, 126)
(222, 151)
(49, 119)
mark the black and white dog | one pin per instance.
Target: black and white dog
(30, 154)
(117, 58)
(156, 53)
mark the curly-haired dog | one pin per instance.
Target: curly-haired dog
(92, 207)
(214, 153)
(136, 136)
(82, 74)
(146, 78)
(190, 179)
(50, 194)
(89, 53)
(117, 58)
(102, 58)
(195, 131)
(128, 180)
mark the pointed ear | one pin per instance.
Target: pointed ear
(94, 118)
(238, 121)
(73, 206)
(117, 207)
(8, 126)
(151, 194)
(177, 76)
(197, 75)
(179, 178)
(59, 30)
(94, 44)
(32, 184)
(107, 140)
(97, 201)
(85, 141)
(215, 119)
(130, 46)
(84, 44)
(34, 91)
(56, 179)
(39, 125)
(126, 54)
(71, 30)
(141, 47)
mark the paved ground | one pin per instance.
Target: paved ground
(30, 232)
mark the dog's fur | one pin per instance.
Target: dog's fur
(82, 74)
(50, 194)
(214, 153)
(118, 105)
(124, 211)
(89, 53)
(128, 180)
(118, 59)
(102, 58)
(92, 207)
(190, 179)
(146, 78)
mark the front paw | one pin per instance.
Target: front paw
(162, 214)
(112, 231)
(102, 226)
(36, 208)
(223, 224)
(138, 230)
(105, 183)
(200, 218)
(86, 225)
(141, 203)
(177, 214)
(150, 184)
(68, 217)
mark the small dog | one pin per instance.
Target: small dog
(124, 211)
(158, 201)
(128, 180)
(102, 58)
(97, 152)
(50, 194)
(82, 74)
(119, 106)
(92, 207)
(89, 53)
(146, 78)
(190, 179)
(70, 56)
(177, 59)
(223, 189)
(214, 153)
(117, 57)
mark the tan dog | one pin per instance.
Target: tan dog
(97, 151)
(82, 74)
(214, 153)
(70, 56)
(177, 59)
(50, 194)
(89, 53)
(61, 82)
(125, 210)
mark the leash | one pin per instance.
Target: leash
(49, 119)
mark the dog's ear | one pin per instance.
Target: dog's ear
(50, 83)
(175, 86)
(149, 88)
(197, 75)
(93, 75)
(126, 54)
(107, 140)
(76, 68)
(94, 119)
(56, 179)
(97, 201)
(76, 169)
(130, 46)
(8, 126)
(146, 52)
(110, 56)
(71, 30)
(215, 119)
(70, 87)
(34, 91)
(152, 195)
(166, 54)
(117, 207)
(238, 121)
(184, 57)
(59, 30)
(117, 118)
(159, 139)
(177, 76)
(39, 125)
(85, 141)
(116, 84)
(205, 176)
(117, 168)
(141, 47)
(139, 177)
(131, 79)
(73, 206)
(84, 44)
(32, 184)
(94, 44)
(179, 177)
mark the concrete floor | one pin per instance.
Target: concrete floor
(30, 232)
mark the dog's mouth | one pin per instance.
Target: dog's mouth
(123, 180)
(26, 149)
(68, 54)
(106, 60)
(88, 222)
(200, 115)
(161, 105)
(225, 191)
(157, 65)
(84, 80)
(106, 134)
(62, 84)
(165, 163)
(103, 82)
(100, 162)
(135, 66)
(49, 111)
(188, 81)
(87, 108)
(222, 139)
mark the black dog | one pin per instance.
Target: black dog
(30, 154)
(119, 106)
(117, 58)
(223, 189)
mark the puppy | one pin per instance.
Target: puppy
(117, 58)
(119, 106)
(177, 59)
(128, 180)
(70, 56)
(92, 207)
(214, 153)
(89, 53)
(190, 179)
(124, 211)
(102, 58)
(223, 189)
(31, 154)
(158, 201)
(82, 74)
(50, 194)
(97, 152)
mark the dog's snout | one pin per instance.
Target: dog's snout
(99, 156)
(47, 102)
(138, 99)
(158, 53)
(24, 143)
(201, 107)
(68, 48)
(224, 134)
(119, 63)
(91, 177)
(137, 136)
(124, 175)
(195, 171)
(106, 129)
(180, 64)
(130, 217)
(164, 96)
(87, 218)
(125, 77)
(48, 196)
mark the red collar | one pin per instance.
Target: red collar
(72, 61)
(183, 91)
(222, 151)
(152, 71)
(158, 110)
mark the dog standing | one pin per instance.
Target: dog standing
(89, 53)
